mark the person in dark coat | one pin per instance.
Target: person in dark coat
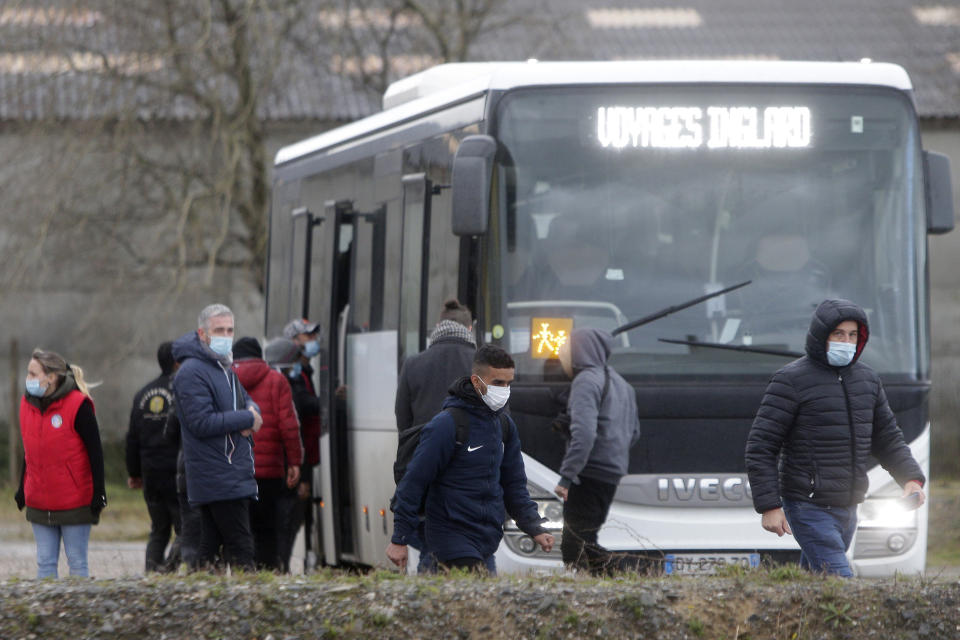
(306, 335)
(284, 356)
(217, 420)
(471, 486)
(603, 428)
(152, 463)
(820, 420)
(425, 377)
(277, 452)
(189, 537)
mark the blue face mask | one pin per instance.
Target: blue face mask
(221, 345)
(840, 354)
(34, 388)
(311, 349)
(295, 370)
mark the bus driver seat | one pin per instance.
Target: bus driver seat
(575, 253)
(786, 279)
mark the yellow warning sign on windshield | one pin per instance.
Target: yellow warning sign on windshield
(548, 335)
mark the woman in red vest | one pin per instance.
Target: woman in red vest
(62, 483)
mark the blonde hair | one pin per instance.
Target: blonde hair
(53, 362)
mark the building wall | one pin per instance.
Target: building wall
(97, 308)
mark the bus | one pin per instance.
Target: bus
(549, 196)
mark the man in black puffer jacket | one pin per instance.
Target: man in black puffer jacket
(826, 413)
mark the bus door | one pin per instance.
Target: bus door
(418, 192)
(354, 513)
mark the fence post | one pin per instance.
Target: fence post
(14, 432)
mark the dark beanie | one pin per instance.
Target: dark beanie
(165, 358)
(247, 348)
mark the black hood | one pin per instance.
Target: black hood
(463, 390)
(825, 319)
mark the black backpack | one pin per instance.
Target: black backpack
(561, 424)
(409, 439)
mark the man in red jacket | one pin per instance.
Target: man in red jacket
(277, 451)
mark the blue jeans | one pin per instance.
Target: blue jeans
(824, 535)
(75, 538)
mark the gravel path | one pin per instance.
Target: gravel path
(105, 559)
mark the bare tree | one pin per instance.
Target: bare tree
(140, 140)
(379, 41)
(203, 72)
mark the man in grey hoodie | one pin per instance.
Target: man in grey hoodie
(603, 428)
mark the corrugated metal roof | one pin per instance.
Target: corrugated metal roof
(923, 37)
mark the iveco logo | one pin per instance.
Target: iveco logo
(706, 489)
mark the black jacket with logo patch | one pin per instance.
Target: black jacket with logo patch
(149, 455)
(826, 421)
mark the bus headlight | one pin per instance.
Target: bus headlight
(885, 513)
(885, 528)
(551, 509)
(548, 507)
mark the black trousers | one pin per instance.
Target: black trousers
(189, 532)
(584, 513)
(164, 510)
(292, 509)
(270, 522)
(226, 523)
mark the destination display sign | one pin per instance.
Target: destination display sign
(714, 127)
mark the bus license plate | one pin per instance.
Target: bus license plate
(706, 563)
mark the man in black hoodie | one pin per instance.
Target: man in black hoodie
(603, 428)
(826, 413)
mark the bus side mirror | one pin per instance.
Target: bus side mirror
(939, 192)
(472, 174)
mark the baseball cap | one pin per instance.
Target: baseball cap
(281, 352)
(296, 327)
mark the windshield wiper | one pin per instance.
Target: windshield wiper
(735, 347)
(675, 308)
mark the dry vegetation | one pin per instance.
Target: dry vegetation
(778, 603)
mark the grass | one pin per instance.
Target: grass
(125, 519)
(943, 542)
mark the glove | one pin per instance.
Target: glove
(99, 502)
(21, 501)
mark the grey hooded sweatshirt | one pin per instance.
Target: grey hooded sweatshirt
(600, 436)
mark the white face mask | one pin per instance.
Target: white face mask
(495, 397)
(840, 354)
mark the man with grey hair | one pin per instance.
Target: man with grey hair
(217, 421)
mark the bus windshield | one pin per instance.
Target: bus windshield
(617, 202)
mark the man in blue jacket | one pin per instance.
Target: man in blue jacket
(473, 484)
(217, 421)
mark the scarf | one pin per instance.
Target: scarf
(451, 329)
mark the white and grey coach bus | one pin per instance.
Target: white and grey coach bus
(552, 196)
